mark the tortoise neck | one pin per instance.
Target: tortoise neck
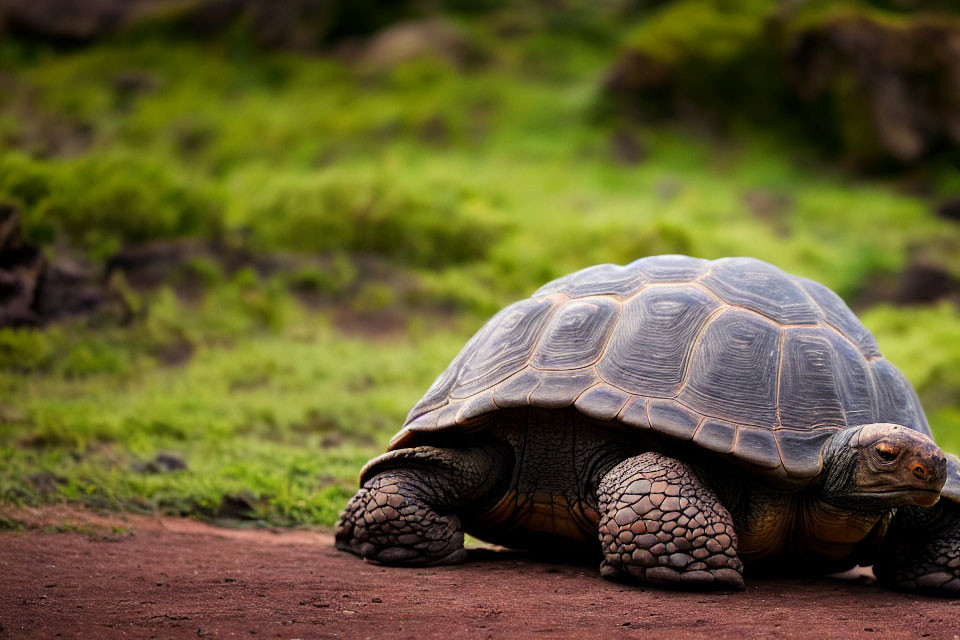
(838, 475)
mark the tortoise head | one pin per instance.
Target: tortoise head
(882, 466)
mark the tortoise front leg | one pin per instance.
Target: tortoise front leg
(921, 550)
(406, 511)
(659, 524)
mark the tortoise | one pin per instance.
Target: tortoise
(693, 416)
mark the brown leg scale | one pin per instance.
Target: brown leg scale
(660, 525)
(389, 521)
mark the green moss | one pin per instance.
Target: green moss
(711, 32)
(333, 278)
(433, 225)
(24, 350)
(102, 202)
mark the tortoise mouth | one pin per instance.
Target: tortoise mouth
(920, 497)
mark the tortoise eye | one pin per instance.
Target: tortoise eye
(887, 452)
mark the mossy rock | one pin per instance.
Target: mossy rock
(871, 85)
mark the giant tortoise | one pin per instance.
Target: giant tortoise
(694, 416)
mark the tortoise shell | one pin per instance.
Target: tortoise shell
(734, 355)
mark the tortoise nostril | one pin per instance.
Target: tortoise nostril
(920, 471)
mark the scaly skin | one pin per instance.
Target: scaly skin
(659, 524)
(390, 521)
(405, 514)
(921, 550)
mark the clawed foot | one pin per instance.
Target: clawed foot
(382, 525)
(660, 525)
(693, 579)
(922, 550)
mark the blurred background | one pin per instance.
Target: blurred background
(240, 238)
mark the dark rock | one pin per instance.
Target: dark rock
(162, 463)
(69, 288)
(770, 207)
(176, 352)
(435, 130)
(22, 266)
(923, 284)
(882, 93)
(33, 291)
(241, 506)
(64, 19)
(636, 72)
(894, 85)
(626, 148)
(290, 24)
(45, 482)
(427, 38)
(150, 265)
(949, 209)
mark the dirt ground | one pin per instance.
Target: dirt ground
(74, 574)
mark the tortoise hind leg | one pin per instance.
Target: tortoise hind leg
(659, 524)
(406, 511)
(921, 550)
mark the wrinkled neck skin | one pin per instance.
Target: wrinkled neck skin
(837, 481)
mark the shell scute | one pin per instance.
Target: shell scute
(602, 402)
(896, 400)
(759, 286)
(576, 334)
(852, 374)
(733, 370)
(476, 406)
(502, 346)
(670, 268)
(515, 391)
(809, 390)
(648, 350)
(757, 446)
(839, 316)
(600, 280)
(673, 419)
(559, 389)
(634, 413)
(716, 435)
(799, 450)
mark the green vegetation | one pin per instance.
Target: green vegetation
(403, 206)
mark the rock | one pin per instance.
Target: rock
(626, 148)
(34, 291)
(22, 267)
(885, 93)
(290, 24)
(241, 506)
(168, 462)
(45, 482)
(924, 284)
(897, 85)
(412, 40)
(164, 462)
(771, 207)
(151, 264)
(949, 209)
(69, 287)
(63, 19)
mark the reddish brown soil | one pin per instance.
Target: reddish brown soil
(171, 578)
